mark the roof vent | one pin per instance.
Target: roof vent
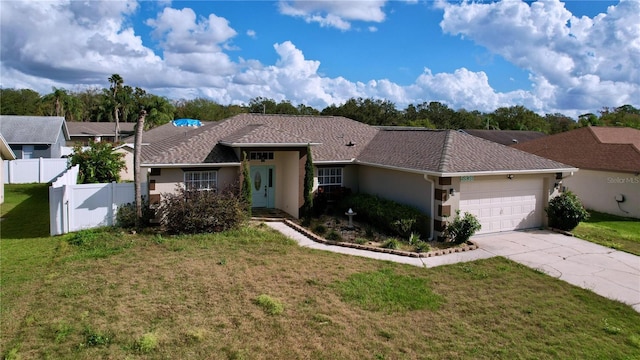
(515, 141)
(351, 143)
(187, 122)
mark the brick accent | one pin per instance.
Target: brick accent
(444, 181)
(444, 210)
(441, 195)
(154, 199)
(152, 184)
(439, 225)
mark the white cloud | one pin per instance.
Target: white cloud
(334, 13)
(575, 62)
(251, 34)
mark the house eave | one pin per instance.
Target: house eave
(471, 173)
(181, 165)
(334, 162)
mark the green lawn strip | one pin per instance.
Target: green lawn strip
(25, 211)
(197, 296)
(612, 231)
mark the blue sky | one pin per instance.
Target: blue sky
(550, 56)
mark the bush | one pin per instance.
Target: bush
(334, 236)
(565, 211)
(126, 215)
(462, 228)
(193, 211)
(391, 243)
(320, 229)
(386, 215)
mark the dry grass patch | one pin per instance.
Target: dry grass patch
(194, 297)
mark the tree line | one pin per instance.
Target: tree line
(123, 103)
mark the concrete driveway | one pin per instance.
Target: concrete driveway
(607, 272)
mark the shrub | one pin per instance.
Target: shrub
(193, 211)
(386, 215)
(565, 211)
(391, 243)
(423, 247)
(320, 229)
(462, 228)
(126, 215)
(97, 163)
(334, 236)
(270, 305)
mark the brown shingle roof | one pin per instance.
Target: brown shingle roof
(506, 137)
(78, 128)
(595, 148)
(164, 132)
(202, 145)
(448, 152)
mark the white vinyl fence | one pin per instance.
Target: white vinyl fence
(25, 171)
(75, 207)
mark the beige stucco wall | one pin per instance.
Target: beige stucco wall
(403, 187)
(126, 174)
(598, 190)
(287, 181)
(170, 178)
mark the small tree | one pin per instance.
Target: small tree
(98, 163)
(462, 228)
(245, 190)
(565, 211)
(308, 185)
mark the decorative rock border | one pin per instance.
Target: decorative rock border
(467, 247)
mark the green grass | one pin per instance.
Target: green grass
(25, 211)
(158, 297)
(612, 231)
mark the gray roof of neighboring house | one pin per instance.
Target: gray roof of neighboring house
(334, 138)
(448, 152)
(80, 128)
(32, 129)
(506, 137)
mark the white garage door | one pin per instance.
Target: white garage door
(503, 205)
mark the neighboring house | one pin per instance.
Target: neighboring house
(83, 132)
(34, 136)
(5, 154)
(438, 172)
(505, 137)
(609, 162)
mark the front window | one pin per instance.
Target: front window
(201, 180)
(329, 178)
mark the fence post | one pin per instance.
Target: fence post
(10, 171)
(113, 203)
(40, 170)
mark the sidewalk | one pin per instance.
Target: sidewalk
(607, 272)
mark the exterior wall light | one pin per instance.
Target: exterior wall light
(510, 176)
(452, 192)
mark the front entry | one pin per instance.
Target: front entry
(263, 186)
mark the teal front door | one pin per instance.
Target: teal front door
(263, 186)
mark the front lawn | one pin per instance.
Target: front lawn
(612, 231)
(254, 294)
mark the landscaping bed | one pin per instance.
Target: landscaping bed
(336, 231)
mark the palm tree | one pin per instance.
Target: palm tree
(137, 173)
(116, 83)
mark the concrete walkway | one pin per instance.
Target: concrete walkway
(607, 272)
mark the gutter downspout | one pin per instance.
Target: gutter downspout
(432, 196)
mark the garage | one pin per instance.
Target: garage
(503, 205)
